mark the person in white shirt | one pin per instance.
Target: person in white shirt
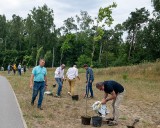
(72, 73)
(59, 77)
(19, 69)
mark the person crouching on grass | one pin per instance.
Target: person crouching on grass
(116, 91)
(40, 82)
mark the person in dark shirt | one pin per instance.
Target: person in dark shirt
(116, 92)
(89, 80)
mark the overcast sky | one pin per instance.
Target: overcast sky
(64, 9)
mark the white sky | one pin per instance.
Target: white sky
(64, 9)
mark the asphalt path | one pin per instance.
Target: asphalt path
(10, 112)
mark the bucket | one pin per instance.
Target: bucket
(86, 120)
(96, 121)
(75, 97)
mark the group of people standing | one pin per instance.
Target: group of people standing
(112, 89)
(14, 68)
(71, 75)
(38, 80)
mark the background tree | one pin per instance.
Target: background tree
(133, 24)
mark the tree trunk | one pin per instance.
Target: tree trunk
(93, 48)
(131, 45)
(61, 57)
(100, 52)
(53, 58)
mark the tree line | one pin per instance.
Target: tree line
(81, 39)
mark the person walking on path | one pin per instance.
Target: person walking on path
(19, 69)
(116, 91)
(40, 82)
(14, 68)
(89, 80)
(24, 69)
(59, 77)
(72, 73)
(9, 69)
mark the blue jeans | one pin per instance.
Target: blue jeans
(19, 71)
(59, 82)
(38, 87)
(89, 88)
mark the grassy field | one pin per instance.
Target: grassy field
(142, 99)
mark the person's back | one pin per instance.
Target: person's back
(19, 69)
(89, 74)
(24, 68)
(19, 66)
(9, 68)
(14, 67)
(72, 73)
(111, 85)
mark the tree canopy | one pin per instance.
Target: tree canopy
(81, 39)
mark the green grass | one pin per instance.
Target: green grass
(142, 99)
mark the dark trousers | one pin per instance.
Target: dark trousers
(89, 89)
(19, 71)
(60, 83)
(38, 87)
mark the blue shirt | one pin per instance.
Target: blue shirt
(39, 73)
(89, 74)
(9, 67)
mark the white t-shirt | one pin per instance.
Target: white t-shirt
(59, 73)
(72, 73)
(19, 66)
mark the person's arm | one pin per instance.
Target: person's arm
(104, 99)
(63, 75)
(113, 96)
(78, 77)
(57, 71)
(31, 81)
(87, 76)
(76, 73)
(90, 75)
(45, 78)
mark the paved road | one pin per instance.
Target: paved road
(10, 112)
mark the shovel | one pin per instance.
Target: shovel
(133, 125)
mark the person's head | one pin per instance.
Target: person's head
(63, 66)
(75, 66)
(85, 66)
(100, 86)
(42, 62)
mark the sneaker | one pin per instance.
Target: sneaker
(110, 119)
(112, 123)
(58, 96)
(32, 103)
(69, 93)
(91, 97)
(85, 96)
(40, 108)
